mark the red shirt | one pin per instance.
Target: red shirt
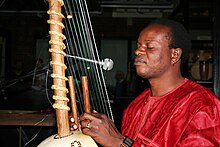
(189, 115)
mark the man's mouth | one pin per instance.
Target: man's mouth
(139, 61)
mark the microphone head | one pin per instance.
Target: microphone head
(107, 64)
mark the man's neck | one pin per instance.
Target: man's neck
(160, 87)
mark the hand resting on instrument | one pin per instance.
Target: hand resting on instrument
(101, 129)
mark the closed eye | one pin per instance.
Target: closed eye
(150, 48)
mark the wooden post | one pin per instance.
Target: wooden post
(86, 99)
(58, 66)
(73, 100)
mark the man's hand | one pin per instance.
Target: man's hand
(101, 129)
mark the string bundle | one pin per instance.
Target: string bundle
(71, 35)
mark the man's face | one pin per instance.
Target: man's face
(153, 56)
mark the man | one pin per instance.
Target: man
(174, 111)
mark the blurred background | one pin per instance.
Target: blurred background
(24, 64)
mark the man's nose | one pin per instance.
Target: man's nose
(139, 51)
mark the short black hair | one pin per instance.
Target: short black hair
(179, 36)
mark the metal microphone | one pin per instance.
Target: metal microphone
(107, 64)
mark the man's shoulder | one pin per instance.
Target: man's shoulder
(192, 94)
(191, 88)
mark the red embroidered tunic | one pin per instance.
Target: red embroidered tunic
(189, 115)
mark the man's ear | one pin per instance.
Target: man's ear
(176, 54)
